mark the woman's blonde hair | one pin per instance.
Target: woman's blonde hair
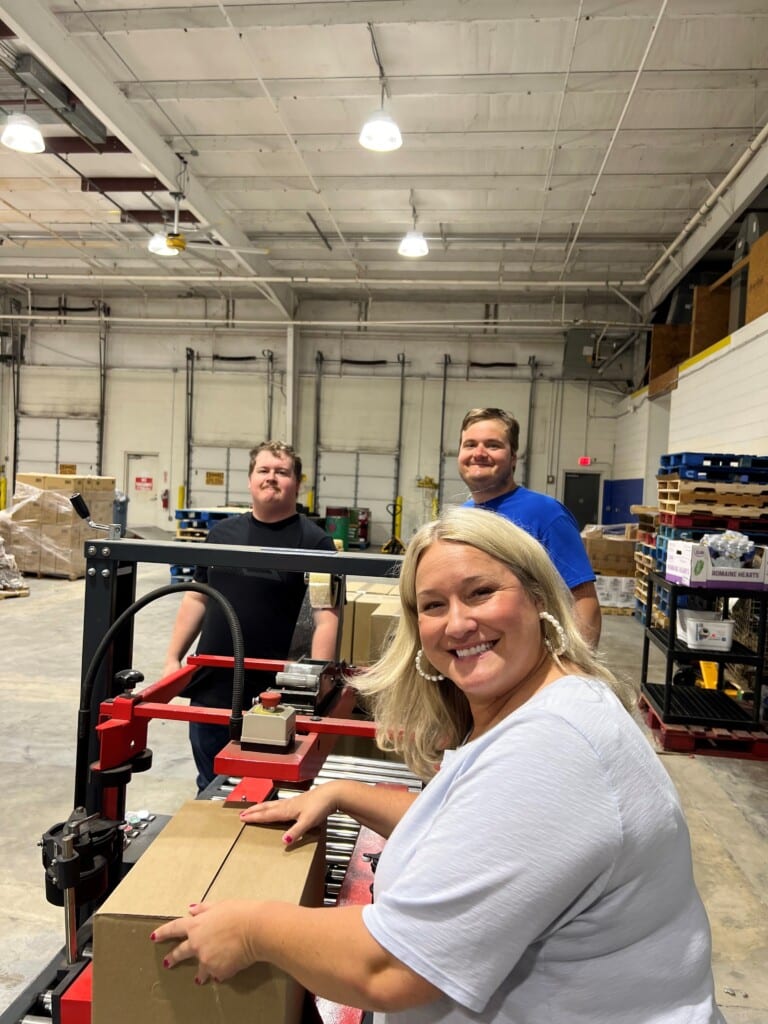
(420, 718)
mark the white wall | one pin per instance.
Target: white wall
(720, 405)
(447, 372)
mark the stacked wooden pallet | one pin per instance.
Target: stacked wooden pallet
(645, 552)
(705, 493)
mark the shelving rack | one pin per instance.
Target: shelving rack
(692, 705)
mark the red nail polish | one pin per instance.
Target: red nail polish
(153, 937)
(288, 840)
(198, 982)
(166, 963)
(192, 905)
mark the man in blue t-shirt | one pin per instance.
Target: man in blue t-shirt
(487, 460)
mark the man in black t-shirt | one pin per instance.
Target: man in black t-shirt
(267, 602)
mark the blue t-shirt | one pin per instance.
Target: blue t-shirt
(551, 524)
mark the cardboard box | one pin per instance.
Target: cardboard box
(690, 563)
(31, 480)
(365, 605)
(615, 591)
(384, 619)
(704, 631)
(205, 852)
(610, 555)
(348, 627)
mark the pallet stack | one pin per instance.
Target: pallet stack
(43, 531)
(192, 525)
(646, 553)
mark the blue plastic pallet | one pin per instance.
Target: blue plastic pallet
(205, 515)
(183, 570)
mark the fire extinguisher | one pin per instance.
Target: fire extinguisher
(164, 498)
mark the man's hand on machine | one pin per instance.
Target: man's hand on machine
(306, 811)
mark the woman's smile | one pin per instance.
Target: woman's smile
(480, 629)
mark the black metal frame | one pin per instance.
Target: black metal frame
(110, 588)
(683, 705)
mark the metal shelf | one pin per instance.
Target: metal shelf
(692, 705)
(738, 652)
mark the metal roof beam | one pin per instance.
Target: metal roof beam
(491, 84)
(293, 15)
(42, 33)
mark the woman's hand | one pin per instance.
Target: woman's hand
(306, 811)
(215, 934)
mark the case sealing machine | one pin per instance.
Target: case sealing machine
(86, 856)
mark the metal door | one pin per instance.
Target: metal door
(581, 496)
(142, 486)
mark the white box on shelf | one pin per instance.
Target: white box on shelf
(690, 563)
(704, 631)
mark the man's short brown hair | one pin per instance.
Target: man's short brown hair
(510, 423)
(279, 448)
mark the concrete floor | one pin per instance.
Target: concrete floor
(726, 799)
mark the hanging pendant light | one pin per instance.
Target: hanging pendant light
(380, 133)
(21, 133)
(169, 243)
(413, 244)
(158, 245)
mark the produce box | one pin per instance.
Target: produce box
(691, 564)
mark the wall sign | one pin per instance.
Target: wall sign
(143, 483)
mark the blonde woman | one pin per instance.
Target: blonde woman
(543, 875)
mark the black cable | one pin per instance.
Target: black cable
(86, 693)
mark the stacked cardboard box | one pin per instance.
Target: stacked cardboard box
(44, 533)
(369, 612)
(611, 551)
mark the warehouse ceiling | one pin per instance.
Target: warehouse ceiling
(572, 151)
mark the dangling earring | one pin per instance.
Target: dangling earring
(426, 675)
(562, 639)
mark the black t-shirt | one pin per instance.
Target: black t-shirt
(267, 603)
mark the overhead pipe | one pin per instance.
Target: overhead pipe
(757, 143)
(319, 359)
(533, 365)
(269, 355)
(614, 136)
(399, 451)
(210, 322)
(219, 279)
(440, 474)
(188, 412)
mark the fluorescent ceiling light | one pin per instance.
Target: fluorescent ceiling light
(158, 244)
(413, 244)
(22, 134)
(380, 133)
